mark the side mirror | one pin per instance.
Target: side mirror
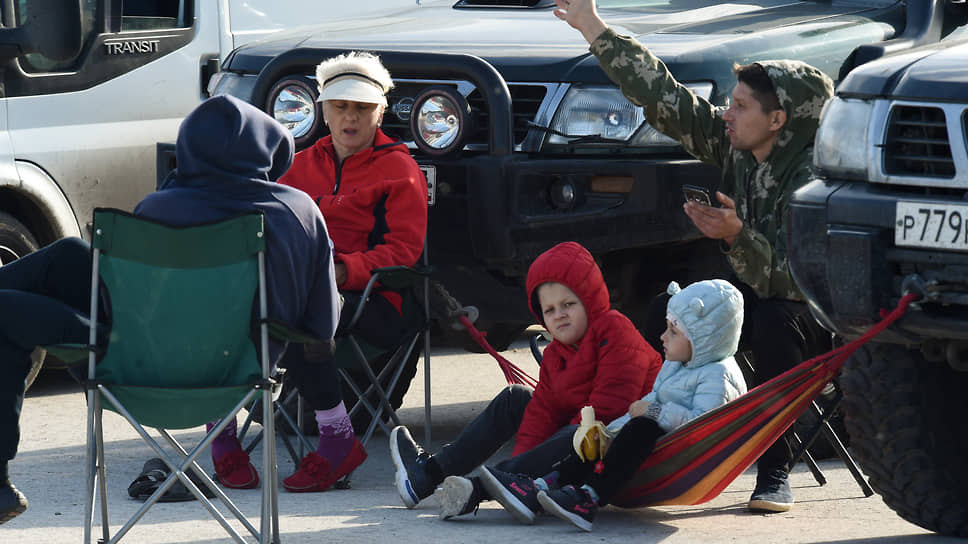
(51, 28)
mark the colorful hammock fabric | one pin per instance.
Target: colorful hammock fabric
(695, 462)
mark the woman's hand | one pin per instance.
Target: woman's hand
(581, 15)
(638, 408)
(340, 273)
(716, 223)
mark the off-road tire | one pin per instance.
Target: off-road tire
(15, 239)
(906, 420)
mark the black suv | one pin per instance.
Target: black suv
(888, 215)
(527, 143)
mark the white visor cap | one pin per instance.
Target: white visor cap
(353, 86)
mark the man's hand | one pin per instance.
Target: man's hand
(716, 223)
(638, 408)
(340, 273)
(581, 15)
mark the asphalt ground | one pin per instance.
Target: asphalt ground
(49, 469)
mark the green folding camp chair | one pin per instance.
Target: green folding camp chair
(181, 350)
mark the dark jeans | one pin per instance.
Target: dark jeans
(779, 333)
(630, 448)
(319, 382)
(490, 430)
(44, 299)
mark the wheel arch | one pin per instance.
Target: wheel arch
(37, 201)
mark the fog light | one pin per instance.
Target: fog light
(439, 120)
(563, 195)
(292, 102)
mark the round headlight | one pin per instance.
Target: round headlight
(439, 120)
(292, 102)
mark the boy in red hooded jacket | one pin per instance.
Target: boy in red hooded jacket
(597, 358)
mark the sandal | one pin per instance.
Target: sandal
(154, 473)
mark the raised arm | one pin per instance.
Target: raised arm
(669, 106)
(582, 15)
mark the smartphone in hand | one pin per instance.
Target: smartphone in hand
(696, 194)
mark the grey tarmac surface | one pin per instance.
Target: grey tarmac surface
(49, 469)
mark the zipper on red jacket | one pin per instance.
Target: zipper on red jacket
(339, 175)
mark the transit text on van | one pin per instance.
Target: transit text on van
(131, 46)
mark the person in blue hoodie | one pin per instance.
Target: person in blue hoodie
(229, 154)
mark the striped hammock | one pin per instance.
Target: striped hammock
(695, 462)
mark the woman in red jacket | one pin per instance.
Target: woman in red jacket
(597, 358)
(374, 199)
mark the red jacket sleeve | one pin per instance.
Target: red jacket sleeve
(406, 218)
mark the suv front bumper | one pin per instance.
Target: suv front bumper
(844, 259)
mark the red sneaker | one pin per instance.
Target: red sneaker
(235, 471)
(316, 474)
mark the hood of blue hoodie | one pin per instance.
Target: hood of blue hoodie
(228, 143)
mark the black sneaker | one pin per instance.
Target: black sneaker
(458, 496)
(570, 503)
(12, 502)
(516, 493)
(414, 482)
(772, 493)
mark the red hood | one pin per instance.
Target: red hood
(573, 266)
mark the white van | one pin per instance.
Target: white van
(90, 87)
(79, 121)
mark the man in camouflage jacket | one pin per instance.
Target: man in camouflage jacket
(763, 145)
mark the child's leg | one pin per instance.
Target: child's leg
(544, 457)
(629, 449)
(418, 473)
(578, 505)
(483, 436)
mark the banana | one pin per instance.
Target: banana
(591, 439)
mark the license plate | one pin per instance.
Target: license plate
(430, 172)
(921, 224)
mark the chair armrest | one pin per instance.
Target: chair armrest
(285, 332)
(315, 348)
(71, 354)
(536, 351)
(399, 277)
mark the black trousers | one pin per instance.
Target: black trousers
(318, 381)
(629, 449)
(490, 430)
(779, 333)
(45, 298)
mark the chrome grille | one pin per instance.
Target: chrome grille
(526, 100)
(917, 143)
